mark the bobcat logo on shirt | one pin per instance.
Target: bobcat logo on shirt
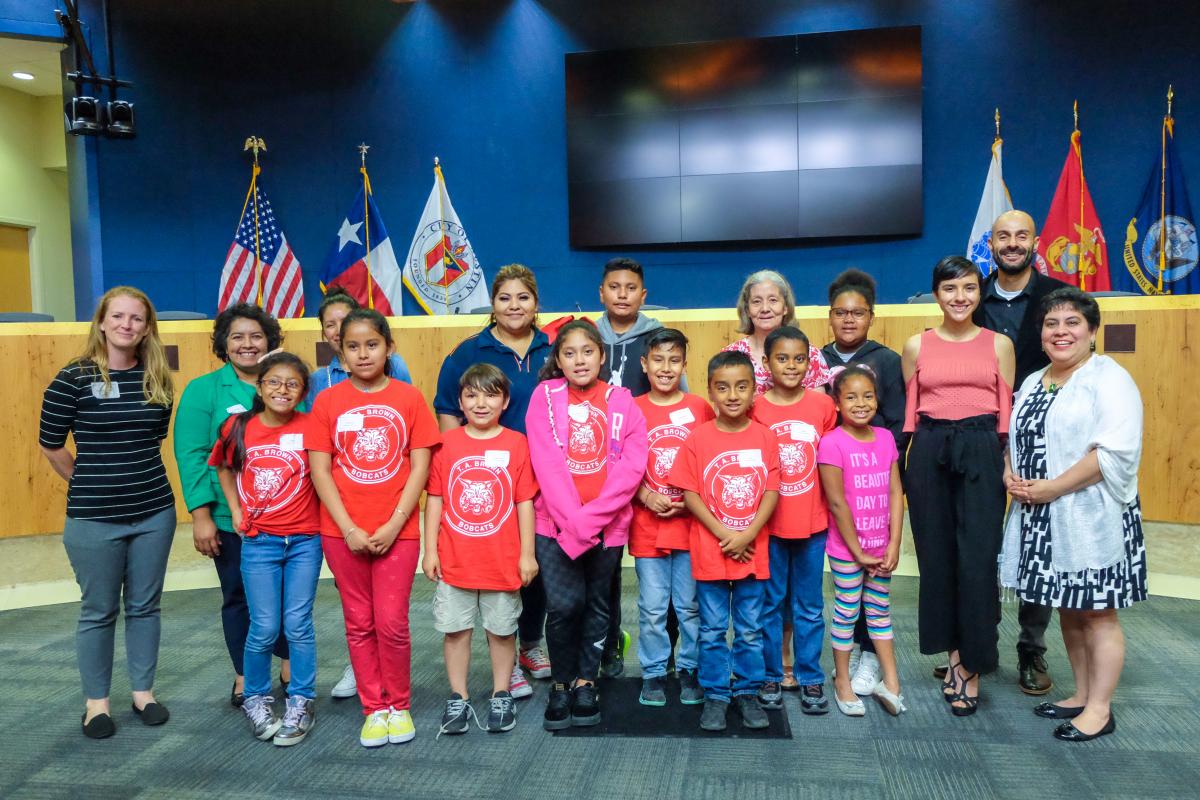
(479, 497)
(665, 441)
(373, 453)
(586, 452)
(733, 485)
(270, 478)
(797, 456)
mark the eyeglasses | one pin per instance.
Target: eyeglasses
(275, 383)
(856, 313)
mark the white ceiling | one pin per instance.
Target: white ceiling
(39, 58)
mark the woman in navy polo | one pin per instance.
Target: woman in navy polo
(512, 342)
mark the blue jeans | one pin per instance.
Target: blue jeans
(662, 582)
(796, 565)
(280, 575)
(717, 599)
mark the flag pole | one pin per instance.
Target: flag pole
(362, 152)
(1079, 151)
(441, 181)
(1168, 123)
(255, 144)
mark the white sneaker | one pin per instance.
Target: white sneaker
(866, 675)
(517, 685)
(346, 687)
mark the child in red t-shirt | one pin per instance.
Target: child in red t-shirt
(369, 445)
(728, 470)
(798, 417)
(659, 537)
(479, 542)
(263, 469)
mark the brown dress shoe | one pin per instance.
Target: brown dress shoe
(1033, 675)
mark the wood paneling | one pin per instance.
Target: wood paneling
(1163, 366)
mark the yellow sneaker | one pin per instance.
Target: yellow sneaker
(374, 731)
(400, 726)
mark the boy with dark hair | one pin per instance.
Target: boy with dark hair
(728, 470)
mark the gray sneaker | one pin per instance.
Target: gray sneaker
(654, 692)
(712, 718)
(456, 719)
(770, 695)
(690, 693)
(298, 720)
(260, 711)
(501, 716)
(753, 716)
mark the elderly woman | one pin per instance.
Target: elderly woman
(958, 400)
(1074, 538)
(512, 342)
(766, 302)
(115, 401)
(242, 335)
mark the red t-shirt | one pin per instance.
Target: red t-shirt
(587, 439)
(480, 482)
(667, 427)
(798, 427)
(730, 472)
(274, 486)
(369, 435)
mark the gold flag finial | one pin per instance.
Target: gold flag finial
(256, 144)
(1076, 110)
(997, 122)
(1170, 98)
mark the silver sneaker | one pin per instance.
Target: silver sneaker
(260, 711)
(346, 686)
(864, 678)
(298, 720)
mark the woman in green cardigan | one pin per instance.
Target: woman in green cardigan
(242, 335)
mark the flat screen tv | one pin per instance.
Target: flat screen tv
(784, 137)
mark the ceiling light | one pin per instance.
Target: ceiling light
(22, 76)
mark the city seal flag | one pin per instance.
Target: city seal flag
(1072, 243)
(1160, 241)
(995, 201)
(361, 259)
(442, 273)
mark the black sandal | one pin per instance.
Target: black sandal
(969, 704)
(948, 690)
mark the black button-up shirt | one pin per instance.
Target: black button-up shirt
(1003, 315)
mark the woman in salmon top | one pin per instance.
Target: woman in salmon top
(959, 395)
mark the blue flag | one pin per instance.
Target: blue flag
(1161, 251)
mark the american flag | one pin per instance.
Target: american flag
(282, 285)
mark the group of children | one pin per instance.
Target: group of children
(729, 507)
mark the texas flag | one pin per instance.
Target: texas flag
(1072, 242)
(363, 248)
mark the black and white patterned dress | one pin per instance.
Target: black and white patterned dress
(1118, 586)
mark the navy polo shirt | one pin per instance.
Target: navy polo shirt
(486, 348)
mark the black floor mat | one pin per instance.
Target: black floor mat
(623, 715)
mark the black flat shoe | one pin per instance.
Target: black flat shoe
(152, 713)
(101, 726)
(1067, 732)
(1051, 711)
(236, 698)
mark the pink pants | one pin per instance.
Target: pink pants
(375, 592)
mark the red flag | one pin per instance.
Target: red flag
(1072, 246)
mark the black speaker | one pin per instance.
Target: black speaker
(84, 116)
(120, 120)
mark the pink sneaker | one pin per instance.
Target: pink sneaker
(517, 685)
(534, 659)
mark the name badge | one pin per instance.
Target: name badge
(236, 408)
(578, 412)
(495, 459)
(348, 423)
(803, 432)
(291, 441)
(749, 459)
(101, 392)
(682, 416)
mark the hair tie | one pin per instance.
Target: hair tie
(265, 356)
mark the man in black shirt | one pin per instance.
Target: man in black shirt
(1008, 304)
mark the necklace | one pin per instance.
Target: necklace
(1054, 385)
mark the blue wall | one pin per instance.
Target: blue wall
(480, 84)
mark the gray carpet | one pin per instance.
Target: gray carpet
(205, 751)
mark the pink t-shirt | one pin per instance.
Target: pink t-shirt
(866, 475)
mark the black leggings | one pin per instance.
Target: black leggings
(954, 481)
(577, 600)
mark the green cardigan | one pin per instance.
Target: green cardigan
(206, 403)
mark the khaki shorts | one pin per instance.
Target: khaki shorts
(454, 609)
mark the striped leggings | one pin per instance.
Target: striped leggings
(854, 588)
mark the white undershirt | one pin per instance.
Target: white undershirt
(1006, 294)
(845, 357)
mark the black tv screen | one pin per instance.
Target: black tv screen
(746, 139)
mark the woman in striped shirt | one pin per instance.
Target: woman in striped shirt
(115, 401)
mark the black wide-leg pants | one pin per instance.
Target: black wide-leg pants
(955, 485)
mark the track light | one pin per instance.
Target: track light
(120, 120)
(84, 116)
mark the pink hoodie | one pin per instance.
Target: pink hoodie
(560, 514)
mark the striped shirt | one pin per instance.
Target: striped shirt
(119, 473)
